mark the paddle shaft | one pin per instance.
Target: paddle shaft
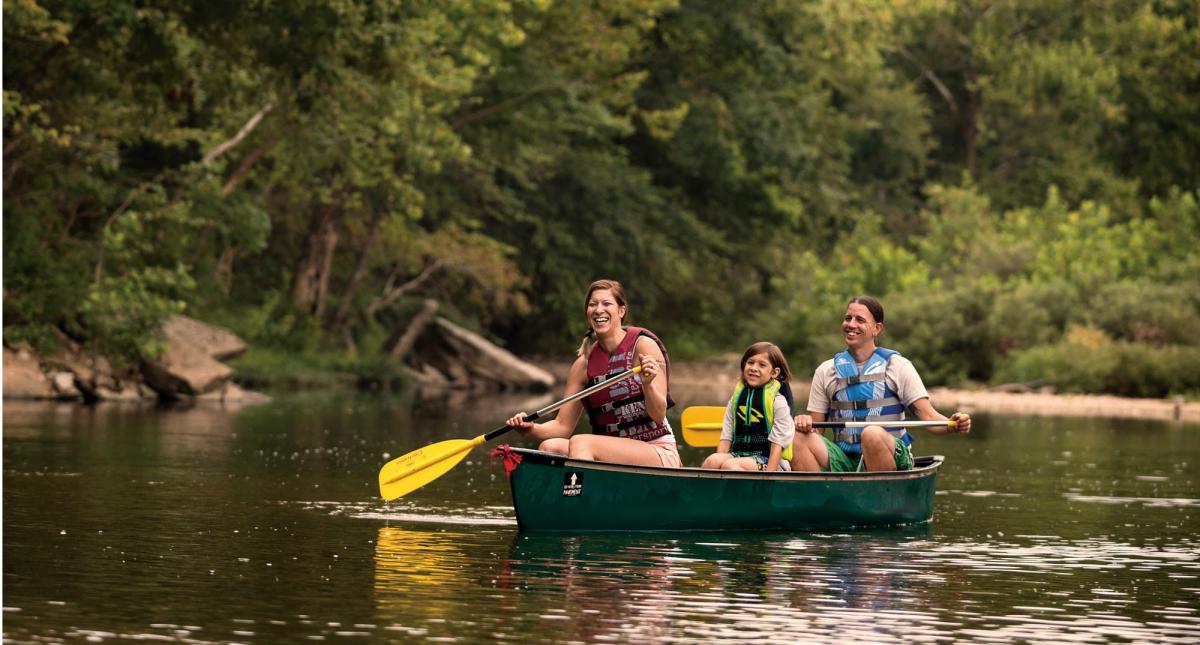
(574, 397)
(888, 424)
(484, 438)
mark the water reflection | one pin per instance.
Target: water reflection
(407, 561)
(125, 523)
(893, 586)
(611, 589)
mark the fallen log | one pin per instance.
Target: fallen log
(490, 362)
(440, 352)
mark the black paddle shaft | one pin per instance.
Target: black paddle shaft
(574, 397)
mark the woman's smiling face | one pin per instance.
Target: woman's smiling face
(603, 311)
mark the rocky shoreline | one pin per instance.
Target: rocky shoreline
(444, 357)
(190, 370)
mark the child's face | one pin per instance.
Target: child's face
(757, 370)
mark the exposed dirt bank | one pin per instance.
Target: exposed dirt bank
(1077, 405)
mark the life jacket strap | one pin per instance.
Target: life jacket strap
(843, 383)
(864, 405)
(614, 427)
(613, 405)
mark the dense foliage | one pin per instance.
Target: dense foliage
(1016, 180)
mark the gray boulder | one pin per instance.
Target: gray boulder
(190, 366)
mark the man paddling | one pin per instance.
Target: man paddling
(865, 382)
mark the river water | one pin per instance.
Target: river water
(263, 525)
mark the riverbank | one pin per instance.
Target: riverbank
(710, 382)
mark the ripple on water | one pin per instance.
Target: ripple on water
(1153, 502)
(414, 513)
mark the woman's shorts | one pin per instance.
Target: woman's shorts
(668, 454)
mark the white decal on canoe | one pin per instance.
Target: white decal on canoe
(572, 484)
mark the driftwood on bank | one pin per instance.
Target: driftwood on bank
(440, 353)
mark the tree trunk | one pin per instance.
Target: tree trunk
(399, 347)
(223, 272)
(970, 126)
(312, 276)
(360, 270)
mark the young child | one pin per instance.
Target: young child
(758, 428)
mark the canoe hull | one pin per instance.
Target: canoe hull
(553, 493)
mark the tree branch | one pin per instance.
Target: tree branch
(212, 154)
(933, 79)
(241, 134)
(392, 292)
(244, 167)
(467, 119)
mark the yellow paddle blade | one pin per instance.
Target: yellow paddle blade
(405, 474)
(702, 425)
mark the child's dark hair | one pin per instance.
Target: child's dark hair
(774, 354)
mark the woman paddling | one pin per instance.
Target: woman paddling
(864, 382)
(629, 419)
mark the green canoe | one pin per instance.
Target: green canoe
(553, 493)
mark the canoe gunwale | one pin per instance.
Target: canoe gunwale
(924, 466)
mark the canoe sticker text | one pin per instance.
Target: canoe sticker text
(572, 484)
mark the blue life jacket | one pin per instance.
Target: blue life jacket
(864, 396)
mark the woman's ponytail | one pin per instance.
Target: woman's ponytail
(589, 339)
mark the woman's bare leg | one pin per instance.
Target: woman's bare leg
(557, 446)
(613, 449)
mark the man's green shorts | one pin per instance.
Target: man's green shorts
(840, 462)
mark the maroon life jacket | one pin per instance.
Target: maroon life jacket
(620, 410)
